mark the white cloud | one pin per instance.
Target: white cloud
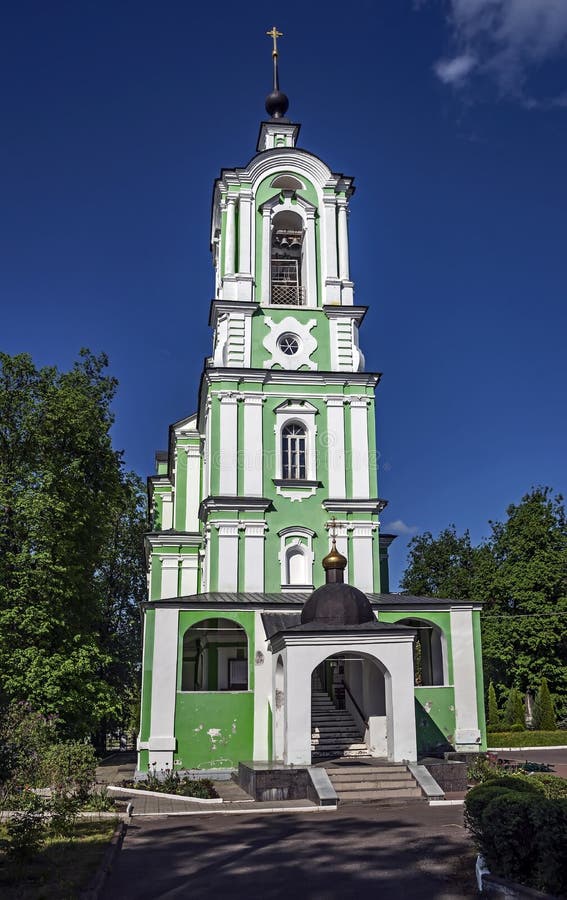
(503, 39)
(454, 71)
(400, 527)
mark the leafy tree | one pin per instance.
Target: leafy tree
(440, 567)
(494, 718)
(520, 576)
(544, 713)
(62, 491)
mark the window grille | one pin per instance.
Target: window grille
(286, 289)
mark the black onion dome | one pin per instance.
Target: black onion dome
(277, 104)
(337, 604)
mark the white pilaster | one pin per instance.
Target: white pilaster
(343, 241)
(262, 688)
(330, 232)
(169, 576)
(363, 557)
(227, 562)
(230, 244)
(254, 556)
(228, 444)
(266, 253)
(245, 233)
(359, 447)
(162, 742)
(166, 511)
(310, 249)
(336, 447)
(252, 457)
(193, 487)
(467, 733)
(189, 570)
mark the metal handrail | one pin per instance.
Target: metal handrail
(357, 707)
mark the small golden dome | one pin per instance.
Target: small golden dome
(334, 559)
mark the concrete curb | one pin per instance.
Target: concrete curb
(446, 802)
(495, 886)
(94, 890)
(426, 782)
(154, 794)
(238, 812)
(521, 749)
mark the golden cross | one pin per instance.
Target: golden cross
(275, 34)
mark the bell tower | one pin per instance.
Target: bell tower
(285, 423)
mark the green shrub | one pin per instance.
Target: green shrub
(70, 768)
(521, 783)
(517, 727)
(514, 710)
(527, 739)
(99, 801)
(64, 810)
(476, 801)
(507, 834)
(544, 713)
(493, 718)
(26, 829)
(554, 788)
(550, 859)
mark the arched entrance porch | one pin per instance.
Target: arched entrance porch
(350, 700)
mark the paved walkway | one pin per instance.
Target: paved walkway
(413, 852)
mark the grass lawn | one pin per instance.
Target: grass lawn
(62, 868)
(527, 739)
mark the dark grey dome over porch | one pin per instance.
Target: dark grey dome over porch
(337, 604)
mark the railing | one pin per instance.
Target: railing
(287, 294)
(356, 706)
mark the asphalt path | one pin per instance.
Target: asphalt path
(415, 852)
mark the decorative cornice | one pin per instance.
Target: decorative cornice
(373, 504)
(239, 504)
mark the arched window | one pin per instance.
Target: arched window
(294, 445)
(287, 264)
(287, 183)
(215, 657)
(296, 558)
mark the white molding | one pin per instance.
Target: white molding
(291, 544)
(307, 343)
(304, 414)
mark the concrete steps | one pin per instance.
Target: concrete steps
(334, 731)
(384, 783)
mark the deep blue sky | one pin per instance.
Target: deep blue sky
(116, 118)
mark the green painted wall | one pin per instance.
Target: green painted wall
(434, 717)
(214, 730)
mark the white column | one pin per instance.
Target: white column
(227, 561)
(363, 557)
(343, 241)
(330, 231)
(252, 457)
(230, 241)
(311, 250)
(169, 576)
(189, 570)
(400, 703)
(359, 447)
(162, 742)
(336, 447)
(262, 688)
(166, 511)
(228, 444)
(467, 734)
(193, 487)
(341, 532)
(207, 451)
(297, 707)
(254, 556)
(244, 233)
(266, 254)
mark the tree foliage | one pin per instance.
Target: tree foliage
(544, 712)
(494, 718)
(520, 575)
(70, 523)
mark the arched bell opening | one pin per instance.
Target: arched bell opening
(287, 260)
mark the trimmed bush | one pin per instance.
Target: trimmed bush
(550, 863)
(517, 727)
(527, 739)
(521, 783)
(554, 788)
(507, 834)
(514, 710)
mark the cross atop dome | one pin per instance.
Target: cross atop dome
(276, 102)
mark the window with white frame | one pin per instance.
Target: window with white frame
(294, 452)
(296, 558)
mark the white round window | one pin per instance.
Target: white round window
(289, 343)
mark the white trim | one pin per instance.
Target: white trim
(193, 487)
(161, 741)
(304, 413)
(290, 544)
(228, 445)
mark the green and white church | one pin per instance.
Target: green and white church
(246, 633)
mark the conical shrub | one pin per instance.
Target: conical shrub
(493, 720)
(544, 713)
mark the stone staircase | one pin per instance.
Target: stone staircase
(364, 783)
(334, 732)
